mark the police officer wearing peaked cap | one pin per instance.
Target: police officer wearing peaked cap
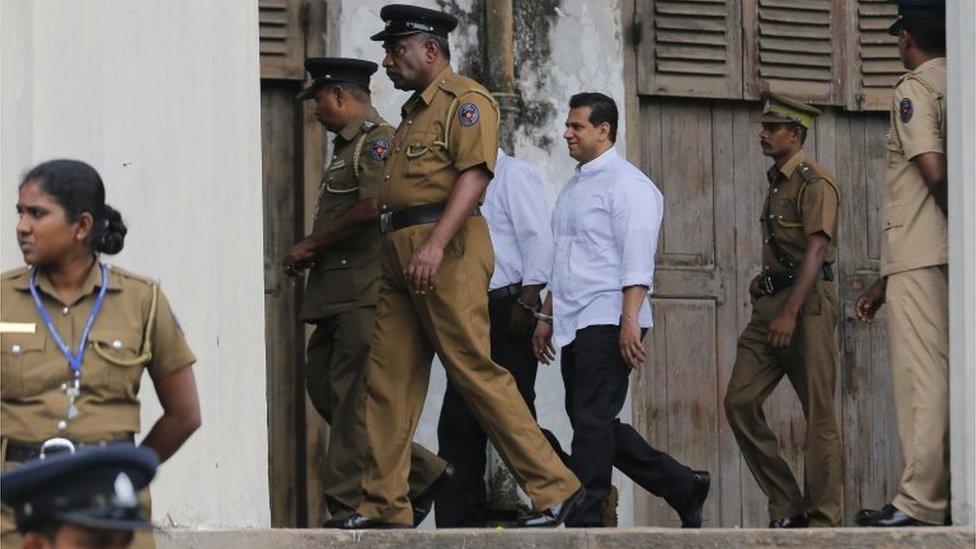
(437, 262)
(342, 257)
(914, 269)
(791, 332)
(83, 499)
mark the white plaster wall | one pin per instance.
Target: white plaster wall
(962, 257)
(587, 55)
(163, 98)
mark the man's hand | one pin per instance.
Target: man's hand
(754, 291)
(542, 343)
(781, 329)
(631, 347)
(298, 258)
(871, 300)
(521, 320)
(423, 267)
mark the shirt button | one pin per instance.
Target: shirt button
(775, 189)
(117, 344)
(62, 425)
(64, 386)
(383, 207)
(387, 177)
(343, 262)
(771, 216)
(409, 122)
(15, 349)
(65, 311)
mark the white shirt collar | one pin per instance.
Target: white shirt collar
(597, 163)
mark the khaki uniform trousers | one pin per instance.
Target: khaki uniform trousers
(810, 365)
(451, 320)
(10, 538)
(337, 352)
(918, 332)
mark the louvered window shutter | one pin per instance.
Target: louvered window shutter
(282, 40)
(689, 48)
(878, 63)
(794, 47)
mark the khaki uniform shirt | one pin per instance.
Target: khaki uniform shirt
(34, 372)
(915, 229)
(347, 274)
(800, 205)
(450, 126)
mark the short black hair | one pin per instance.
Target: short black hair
(78, 188)
(440, 41)
(928, 33)
(602, 109)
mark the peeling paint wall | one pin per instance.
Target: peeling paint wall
(561, 47)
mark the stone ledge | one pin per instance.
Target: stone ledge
(711, 538)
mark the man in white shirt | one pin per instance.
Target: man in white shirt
(605, 227)
(518, 222)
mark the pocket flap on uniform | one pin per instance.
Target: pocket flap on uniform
(19, 343)
(121, 343)
(894, 216)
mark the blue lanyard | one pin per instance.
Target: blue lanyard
(74, 359)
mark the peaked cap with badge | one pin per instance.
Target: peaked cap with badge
(916, 9)
(404, 20)
(93, 487)
(778, 109)
(336, 70)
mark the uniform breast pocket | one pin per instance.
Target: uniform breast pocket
(894, 216)
(341, 179)
(21, 353)
(420, 151)
(114, 360)
(339, 276)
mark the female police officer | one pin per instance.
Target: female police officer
(77, 334)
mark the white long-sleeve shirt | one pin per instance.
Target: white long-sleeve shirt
(518, 222)
(605, 226)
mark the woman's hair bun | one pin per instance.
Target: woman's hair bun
(109, 232)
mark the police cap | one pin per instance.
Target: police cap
(402, 20)
(94, 487)
(336, 70)
(778, 109)
(916, 9)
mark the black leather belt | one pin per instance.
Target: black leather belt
(19, 451)
(417, 215)
(772, 283)
(505, 291)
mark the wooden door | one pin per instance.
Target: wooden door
(704, 156)
(292, 144)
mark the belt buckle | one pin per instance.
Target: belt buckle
(386, 222)
(766, 285)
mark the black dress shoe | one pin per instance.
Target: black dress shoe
(553, 516)
(888, 517)
(691, 513)
(355, 521)
(799, 521)
(424, 502)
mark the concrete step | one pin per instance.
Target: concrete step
(710, 538)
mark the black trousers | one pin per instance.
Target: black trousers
(462, 442)
(596, 379)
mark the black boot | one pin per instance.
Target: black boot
(553, 516)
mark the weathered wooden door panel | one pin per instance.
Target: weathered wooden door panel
(705, 157)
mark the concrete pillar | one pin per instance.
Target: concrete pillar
(961, 42)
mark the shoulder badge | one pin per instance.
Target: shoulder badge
(378, 149)
(906, 110)
(468, 115)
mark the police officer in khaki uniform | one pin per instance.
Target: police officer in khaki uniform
(437, 259)
(791, 333)
(78, 334)
(342, 256)
(914, 257)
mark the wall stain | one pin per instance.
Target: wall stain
(533, 22)
(472, 60)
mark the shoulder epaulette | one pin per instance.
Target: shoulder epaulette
(13, 273)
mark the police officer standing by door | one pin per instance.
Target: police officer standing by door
(342, 256)
(914, 278)
(791, 332)
(437, 260)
